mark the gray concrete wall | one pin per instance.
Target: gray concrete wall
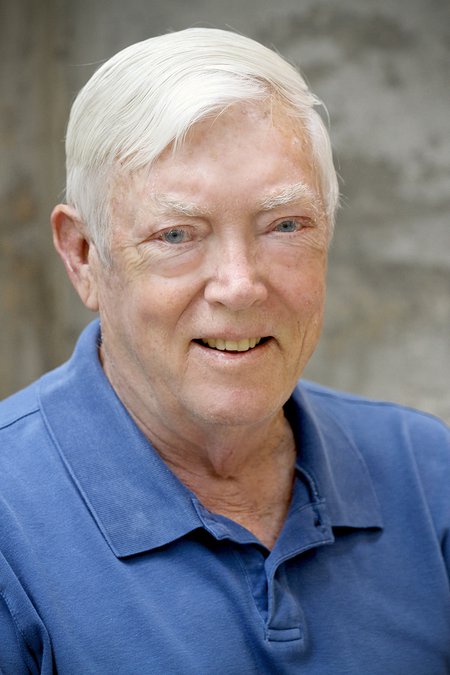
(383, 70)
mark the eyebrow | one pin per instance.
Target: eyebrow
(296, 193)
(167, 203)
(299, 192)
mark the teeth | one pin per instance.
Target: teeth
(232, 345)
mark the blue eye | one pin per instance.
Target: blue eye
(174, 236)
(288, 226)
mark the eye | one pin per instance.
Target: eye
(175, 236)
(288, 225)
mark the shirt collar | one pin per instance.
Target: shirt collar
(137, 502)
(331, 457)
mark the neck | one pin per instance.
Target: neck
(243, 474)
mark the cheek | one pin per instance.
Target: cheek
(155, 308)
(305, 290)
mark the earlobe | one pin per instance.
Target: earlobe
(73, 243)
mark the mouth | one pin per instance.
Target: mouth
(243, 345)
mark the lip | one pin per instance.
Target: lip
(235, 337)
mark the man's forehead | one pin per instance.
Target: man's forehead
(171, 184)
(234, 120)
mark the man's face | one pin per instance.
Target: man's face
(213, 303)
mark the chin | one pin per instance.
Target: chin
(239, 409)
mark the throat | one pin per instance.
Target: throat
(255, 493)
(264, 520)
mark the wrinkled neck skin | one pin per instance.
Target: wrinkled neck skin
(244, 472)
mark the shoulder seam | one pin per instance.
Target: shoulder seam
(10, 422)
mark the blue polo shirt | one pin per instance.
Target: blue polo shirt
(108, 564)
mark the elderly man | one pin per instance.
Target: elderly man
(171, 500)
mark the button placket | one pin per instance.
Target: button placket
(285, 621)
(252, 560)
(307, 529)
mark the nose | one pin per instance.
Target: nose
(236, 280)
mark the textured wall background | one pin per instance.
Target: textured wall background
(383, 70)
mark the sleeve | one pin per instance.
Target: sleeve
(24, 641)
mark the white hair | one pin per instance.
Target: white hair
(148, 96)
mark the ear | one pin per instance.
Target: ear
(78, 253)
